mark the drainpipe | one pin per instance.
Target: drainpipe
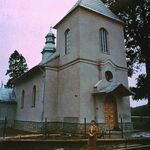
(43, 94)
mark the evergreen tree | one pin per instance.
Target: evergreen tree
(136, 15)
(17, 66)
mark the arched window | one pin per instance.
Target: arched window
(103, 40)
(67, 41)
(22, 99)
(33, 96)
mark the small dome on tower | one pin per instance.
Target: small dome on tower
(50, 37)
(49, 48)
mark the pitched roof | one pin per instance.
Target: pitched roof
(115, 87)
(96, 6)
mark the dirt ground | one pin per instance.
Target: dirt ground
(12, 132)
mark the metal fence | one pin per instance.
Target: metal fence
(63, 128)
(67, 128)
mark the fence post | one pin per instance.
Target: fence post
(45, 127)
(109, 129)
(5, 125)
(85, 127)
(121, 127)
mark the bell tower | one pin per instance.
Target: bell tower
(49, 48)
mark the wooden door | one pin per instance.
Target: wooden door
(110, 113)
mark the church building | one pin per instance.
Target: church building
(82, 77)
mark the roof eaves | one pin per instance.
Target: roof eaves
(27, 73)
(79, 4)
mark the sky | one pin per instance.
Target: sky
(23, 26)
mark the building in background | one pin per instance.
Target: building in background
(7, 106)
(85, 76)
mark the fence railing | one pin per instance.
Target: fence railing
(67, 128)
(63, 128)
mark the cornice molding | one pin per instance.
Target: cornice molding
(86, 61)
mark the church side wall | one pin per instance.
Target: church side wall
(29, 113)
(51, 95)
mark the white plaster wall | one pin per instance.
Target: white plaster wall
(122, 77)
(100, 108)
(119, 75)
(124, 111)
(70, 22)
(29, 113)
(51, 95)
(89, 24)
(69, 92)
(89, 75)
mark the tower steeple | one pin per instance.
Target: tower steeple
(49, 48)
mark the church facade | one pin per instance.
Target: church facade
(84, 77)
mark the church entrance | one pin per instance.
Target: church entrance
(110, 113)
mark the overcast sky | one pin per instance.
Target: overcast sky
(23, 26)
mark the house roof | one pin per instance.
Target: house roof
(7, 95)
(93, 5)
(116, 88)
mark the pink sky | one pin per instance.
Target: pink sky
(23, 26)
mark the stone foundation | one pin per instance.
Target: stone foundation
(60, 127)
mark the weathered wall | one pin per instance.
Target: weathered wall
(68, 92)
(71, 22)
(51, 95)
(89, 24)
(89, 76)
(29, 113)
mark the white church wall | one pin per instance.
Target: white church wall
(89, 24)
(51, 95)
(89, 75)
(29, 113)
(68, 92)
(99, 108)
(71, 22)
(122, 77)
(124, 109)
